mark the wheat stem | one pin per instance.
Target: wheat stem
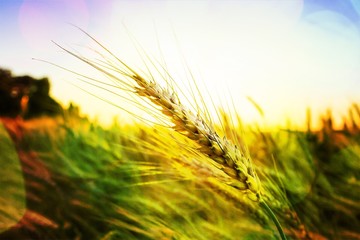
(273, 218)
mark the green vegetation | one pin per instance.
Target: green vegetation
(86, 182)
(26, 96)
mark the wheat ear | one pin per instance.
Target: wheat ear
(227, 155)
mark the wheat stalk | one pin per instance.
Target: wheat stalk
(227, 156)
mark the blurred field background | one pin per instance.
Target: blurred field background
(67, 177)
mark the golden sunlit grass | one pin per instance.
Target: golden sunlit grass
(127, 183)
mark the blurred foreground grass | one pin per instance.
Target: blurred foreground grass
(69, 178)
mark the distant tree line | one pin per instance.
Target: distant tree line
(25, 96)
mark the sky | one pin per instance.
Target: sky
(285, 55)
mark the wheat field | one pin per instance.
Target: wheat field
(177, 175)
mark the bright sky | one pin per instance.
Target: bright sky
(286, 55)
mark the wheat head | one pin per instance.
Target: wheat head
(232, 161)
(226, 156)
